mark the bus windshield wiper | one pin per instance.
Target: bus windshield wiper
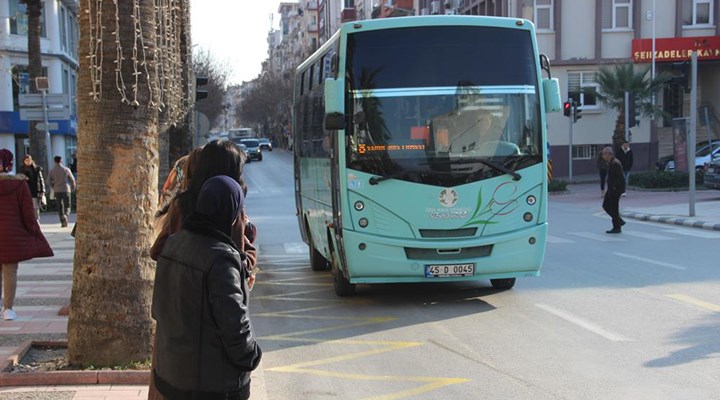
(515, 175)
(377, 179)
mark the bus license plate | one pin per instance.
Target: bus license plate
(438, 271)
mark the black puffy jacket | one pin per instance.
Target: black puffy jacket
(205, 344)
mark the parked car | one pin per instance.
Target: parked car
(704, 154)
(712, 175)
(265, 144)
(253, 149)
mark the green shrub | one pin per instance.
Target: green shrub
(557, 185)
(664, 179)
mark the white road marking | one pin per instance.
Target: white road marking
(701, 233)
(615, 337)
(650, 261)
(596, 236)
(648, 235)
(296, 248)
(555, 239)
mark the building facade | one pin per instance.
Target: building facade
(59, 47)
(582, 36)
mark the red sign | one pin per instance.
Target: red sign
(676, 49)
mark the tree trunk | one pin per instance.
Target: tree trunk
(38, 141)
(618, 136)
(110, 321)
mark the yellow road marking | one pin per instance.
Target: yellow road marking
(428, 383)
(696, 302)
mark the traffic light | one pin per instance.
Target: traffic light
(576, 112)
(633, 114)
(200, 93)
(567, 109)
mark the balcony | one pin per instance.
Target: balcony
(348, 14)
(395, 8)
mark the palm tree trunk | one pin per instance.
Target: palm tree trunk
(110, 321)
(38, 142)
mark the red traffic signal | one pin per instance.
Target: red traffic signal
(567, 109)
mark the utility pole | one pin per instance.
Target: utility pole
(692, 137)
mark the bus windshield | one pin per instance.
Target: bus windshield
(420, 116)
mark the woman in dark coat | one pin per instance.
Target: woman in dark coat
(206, 348)
(20, 235)
(35, 182)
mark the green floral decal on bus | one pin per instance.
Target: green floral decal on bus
(502, 199)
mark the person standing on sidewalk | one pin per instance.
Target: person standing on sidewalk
(36, 183)
(206, 347)
(62, 182)
(615, 188)
(20, 236)
(626, 159)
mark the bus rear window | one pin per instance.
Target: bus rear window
(441, 56)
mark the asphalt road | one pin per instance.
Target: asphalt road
(633, 316)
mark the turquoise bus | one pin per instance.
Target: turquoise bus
(419, 151)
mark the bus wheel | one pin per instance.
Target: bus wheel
(317, 261)
(503, 284)
(341, 284)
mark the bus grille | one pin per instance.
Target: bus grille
(447, 233)
(447, 254)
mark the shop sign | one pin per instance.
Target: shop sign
(676, 49)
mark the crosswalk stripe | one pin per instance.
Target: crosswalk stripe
(650, 261)
(701, 233)
(555, 239)
(648, 235)
(596, 236)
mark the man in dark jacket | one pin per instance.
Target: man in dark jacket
(626, 159)
(206, 348)
(615, 188)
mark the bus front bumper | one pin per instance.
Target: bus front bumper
(385, 260)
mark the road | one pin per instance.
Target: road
(632, 316)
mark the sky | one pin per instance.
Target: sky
(234, 32)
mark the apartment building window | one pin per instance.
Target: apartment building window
(349, 3)
(543, 15)
(697, 12)
(617, 14)
(583, 88)
(584, 152)
(63, 29)
(19, 19)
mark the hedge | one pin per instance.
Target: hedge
(664, 179)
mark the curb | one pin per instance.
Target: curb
(45, 378)
(681, 221)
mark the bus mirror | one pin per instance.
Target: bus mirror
(334, 121)
(551, 91)
(333, 95)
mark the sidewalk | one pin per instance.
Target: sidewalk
(655, 206)
(44, 285)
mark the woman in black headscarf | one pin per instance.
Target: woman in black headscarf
(206, 348)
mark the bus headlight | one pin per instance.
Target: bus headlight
(531, 200)
(363, 222)
(359, 206)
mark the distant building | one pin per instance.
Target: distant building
(59, 46)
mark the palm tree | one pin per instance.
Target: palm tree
(110, 321)
(614, 82)
(37, 139)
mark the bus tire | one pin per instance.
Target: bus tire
(503, 284)
(317, 261)
(341, 284)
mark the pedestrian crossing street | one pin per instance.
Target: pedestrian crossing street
(628, 234)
